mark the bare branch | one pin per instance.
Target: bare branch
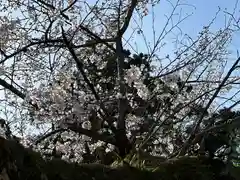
(12, 88)
(191, 137)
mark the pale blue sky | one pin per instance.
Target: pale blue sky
(203, 12)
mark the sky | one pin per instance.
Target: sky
(203, 11)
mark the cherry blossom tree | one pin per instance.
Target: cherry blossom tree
(74, 85)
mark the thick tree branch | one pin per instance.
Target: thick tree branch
(80, 66)
(122, 91)
(127, 18)
(15, 91)
(45, 136)
(12, 88)
(91, 86)
(25, 48)
(70, 5)
(95, 135)
(120, 58)
(124, 146)
(3, 53)
(97, 38)
(46, 4)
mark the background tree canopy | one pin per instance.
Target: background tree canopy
(75, 87)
